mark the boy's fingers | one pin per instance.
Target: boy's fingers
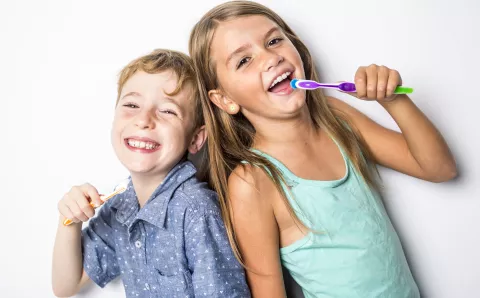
(86, 208)
(66, 212)
(92, 193)
(78, 212)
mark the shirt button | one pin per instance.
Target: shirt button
(138, 244)
(147, 286)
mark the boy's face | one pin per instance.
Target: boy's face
(151, 131)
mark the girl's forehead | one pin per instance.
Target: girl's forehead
(246, 23)
(239, 32)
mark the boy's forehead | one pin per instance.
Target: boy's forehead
(159, 84)
(166, 80)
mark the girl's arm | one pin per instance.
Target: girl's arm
(256, 231)
(419, 150)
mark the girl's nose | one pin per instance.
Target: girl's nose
(272, 60)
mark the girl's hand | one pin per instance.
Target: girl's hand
(376, 83)
(76, 205)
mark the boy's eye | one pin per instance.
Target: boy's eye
(168, 112)
(242, 62)
(275, 41)
(130, 105)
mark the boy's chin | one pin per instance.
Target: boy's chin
(148, 170)
(142, 168)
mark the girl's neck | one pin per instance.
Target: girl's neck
(145, 185)
(297, 132)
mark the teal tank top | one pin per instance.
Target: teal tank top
(352, 250)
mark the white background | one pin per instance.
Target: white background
(59, 62)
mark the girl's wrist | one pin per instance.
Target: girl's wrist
(398, 99)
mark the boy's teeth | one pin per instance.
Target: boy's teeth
(141, 144)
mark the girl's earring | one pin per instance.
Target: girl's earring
(232, 108)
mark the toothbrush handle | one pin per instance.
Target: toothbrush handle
(403, 90)
(350, 87)
(104, 198)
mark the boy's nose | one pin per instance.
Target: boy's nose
(145, 120)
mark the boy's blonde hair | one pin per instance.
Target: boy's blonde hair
(161, 60)
(231, 137)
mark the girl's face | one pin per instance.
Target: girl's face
(255, 63)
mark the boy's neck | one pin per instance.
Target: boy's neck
(145, 185)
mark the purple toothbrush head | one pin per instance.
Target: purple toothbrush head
(347, 87)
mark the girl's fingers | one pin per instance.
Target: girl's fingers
(361, 82)
(394, 80)
(372, 78)
(382, 81)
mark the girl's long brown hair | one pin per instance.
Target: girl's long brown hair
(230, 137)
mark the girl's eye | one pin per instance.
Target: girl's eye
(242, 62)
(131, 105)
(169, 112)
(275, 41)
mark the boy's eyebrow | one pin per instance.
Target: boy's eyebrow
(247, 46)
(172, 100)
(133, 93)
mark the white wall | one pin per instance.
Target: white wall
(58, 65)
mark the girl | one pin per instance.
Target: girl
(294, 170)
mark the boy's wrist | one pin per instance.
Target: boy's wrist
(61, 220)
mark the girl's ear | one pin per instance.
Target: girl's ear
(223, 102)
(198, 139)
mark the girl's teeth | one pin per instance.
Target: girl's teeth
(280, 78)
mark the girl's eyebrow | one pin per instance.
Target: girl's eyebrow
(269, 32)
(247, 46)
(238, 51)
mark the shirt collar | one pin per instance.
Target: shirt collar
(155, 210)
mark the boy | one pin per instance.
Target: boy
(164, 234)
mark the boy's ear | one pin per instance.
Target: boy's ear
(223, 102)
(198, 140)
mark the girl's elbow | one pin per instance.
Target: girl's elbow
(447, 173)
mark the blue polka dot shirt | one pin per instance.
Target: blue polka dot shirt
(175, 246)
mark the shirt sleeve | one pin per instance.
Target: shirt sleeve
(215, 270)
(99, 259)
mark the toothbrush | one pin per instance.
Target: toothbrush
(118, 190)
(343, 86)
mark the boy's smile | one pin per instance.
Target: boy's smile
(151, 130)
(141, 144)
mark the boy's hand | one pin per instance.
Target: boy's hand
(76, 205)
(376, 83)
